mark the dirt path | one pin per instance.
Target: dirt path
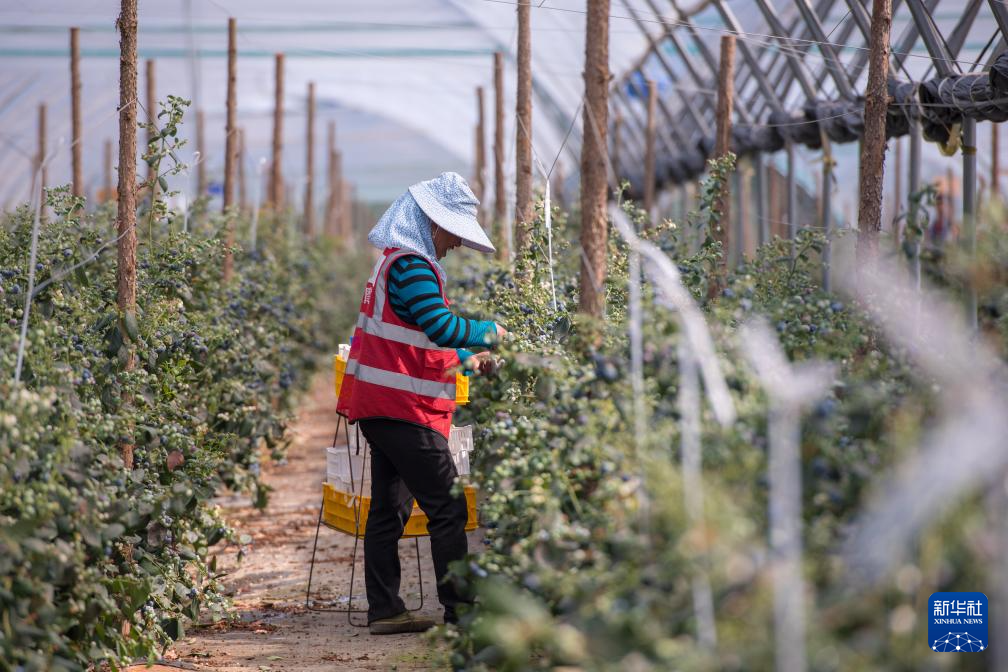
(276, 632)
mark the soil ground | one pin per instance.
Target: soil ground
(275, 630)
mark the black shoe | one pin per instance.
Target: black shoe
(404, 622)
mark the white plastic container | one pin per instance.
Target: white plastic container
(462, 462)
(345, 469)
(460, 438)
(460, 444)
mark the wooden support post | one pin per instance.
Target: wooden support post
(201, 174)
(329, 224)
(479, 183)
(107, 172)
(500, 205)
(276, 169)
(773, 201)
(309, 195)
(231, 141)
(523, 134)
(346, 211)
(874, 138)
(791, 194)
(151, 104)
(231, 136)
(722, 145)
(339, 203)
(594, 182)
(995, 178)
(649, 153)
(760, 186)
(617, 143)
(240, 168)
(747, 241)
(40, 158)
(75, 113)
(827, 214)
(126, 215)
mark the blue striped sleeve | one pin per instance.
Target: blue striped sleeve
(416, 298)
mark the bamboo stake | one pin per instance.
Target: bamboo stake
(558, 185)
(40, 163)
(337, 193)
(329, 225)
(346, 211)
(995, 178)
(309, 196)
(276, 174)
(242, 187)
(950, 209)
(725, 102)
(151, 118)
(873, 142)
(479, 183)
(913, 186)
(773, 205)
(523, 134)
(791, 195)
(231, 141)
(126, 215)
(201, 175)
(500, 206)
(75, 112)
(747, 240)
(649, 153)
(594, 183)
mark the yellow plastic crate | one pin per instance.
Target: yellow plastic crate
(461, 389)
(340, 511)
(461, 381)
(339, 366)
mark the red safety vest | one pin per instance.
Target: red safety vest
(394, 370)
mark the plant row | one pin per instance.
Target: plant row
(590, 559)
(99, 562)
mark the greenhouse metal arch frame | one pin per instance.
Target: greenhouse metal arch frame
(798, 75)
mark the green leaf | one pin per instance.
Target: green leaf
(130, 326)
(113, 531)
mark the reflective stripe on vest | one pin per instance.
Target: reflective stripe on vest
(393, 332)
(400, 381)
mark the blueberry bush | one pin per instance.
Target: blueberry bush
(589, 553)
(103, 564)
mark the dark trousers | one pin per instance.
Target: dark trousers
(409, 461)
